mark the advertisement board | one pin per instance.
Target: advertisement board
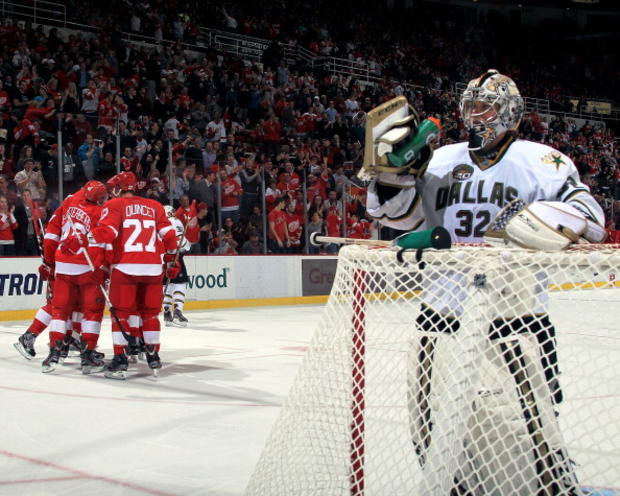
(20, 284)
(317, 276)
(231, 281)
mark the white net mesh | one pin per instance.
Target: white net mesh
(481, 371)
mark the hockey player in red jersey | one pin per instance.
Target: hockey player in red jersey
(134, 229)
(43, 317)
(74, 279)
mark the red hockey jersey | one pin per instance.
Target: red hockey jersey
(84, 215)
(134, 231)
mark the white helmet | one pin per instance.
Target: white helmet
(169, 211)
(490, 106)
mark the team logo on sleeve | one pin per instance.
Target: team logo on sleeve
(553, 158)
(462, 172)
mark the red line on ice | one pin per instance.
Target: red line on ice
(49, 479)
(135, 400)
(82, 474)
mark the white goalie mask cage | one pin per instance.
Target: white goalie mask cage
(490, 106)
(169, 211)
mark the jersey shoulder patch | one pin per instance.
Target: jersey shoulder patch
(542, 157)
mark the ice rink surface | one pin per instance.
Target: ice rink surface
(198, 429)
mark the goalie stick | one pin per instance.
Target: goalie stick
(437, 237)
(548, 469)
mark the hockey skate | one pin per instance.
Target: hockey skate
(117, 368)
(25, 345)
(97, 355)
(152, 357)
(135, 349)
(179, 319)
(64, 349)
(91, 363)
(167, 317)
(51, 362)
(75, 347)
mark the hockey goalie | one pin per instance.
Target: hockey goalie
(495, 433)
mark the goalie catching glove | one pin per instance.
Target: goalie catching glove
(542, 225)
(396, 142)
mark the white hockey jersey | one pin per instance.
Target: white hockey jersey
(456, 193)
(184, 246)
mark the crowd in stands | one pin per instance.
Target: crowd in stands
(234, 130)
(427, 45)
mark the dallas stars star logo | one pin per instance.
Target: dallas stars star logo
(554, 158)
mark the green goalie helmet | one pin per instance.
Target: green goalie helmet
(491, 105)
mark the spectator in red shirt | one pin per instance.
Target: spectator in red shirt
(278, 241)
(188, 215)
(285, 185)
(107, 112)
(7, 225)
(272, 194)
(271, 129)
(129, 163)
(295, 227)
(359, 228)
(333, 225)
(231, 193)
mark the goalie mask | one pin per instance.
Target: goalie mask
(491, 105)
(170, 212)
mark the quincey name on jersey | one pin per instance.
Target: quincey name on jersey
(458, 194)
(134, 232)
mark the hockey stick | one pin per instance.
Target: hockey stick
(437, 237)
(128, 337)
(48, 293)
(545, 464)
(176, 257)
(318, 240)
(421, 400)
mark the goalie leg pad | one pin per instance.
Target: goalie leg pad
(523, 377)
(543, 330)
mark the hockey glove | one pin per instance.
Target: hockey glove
(98, 276)
(73, 243)
(169, 257)
(46, 273)
(172, 270)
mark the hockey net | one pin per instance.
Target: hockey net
(469, 371)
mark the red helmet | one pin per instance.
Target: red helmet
(95, 192)
(112, 183)
(126, 181)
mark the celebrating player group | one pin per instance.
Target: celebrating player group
(97, 250)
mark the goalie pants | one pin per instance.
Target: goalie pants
(538, 326)
(76, 292)
(135, 296)
(529, 377)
